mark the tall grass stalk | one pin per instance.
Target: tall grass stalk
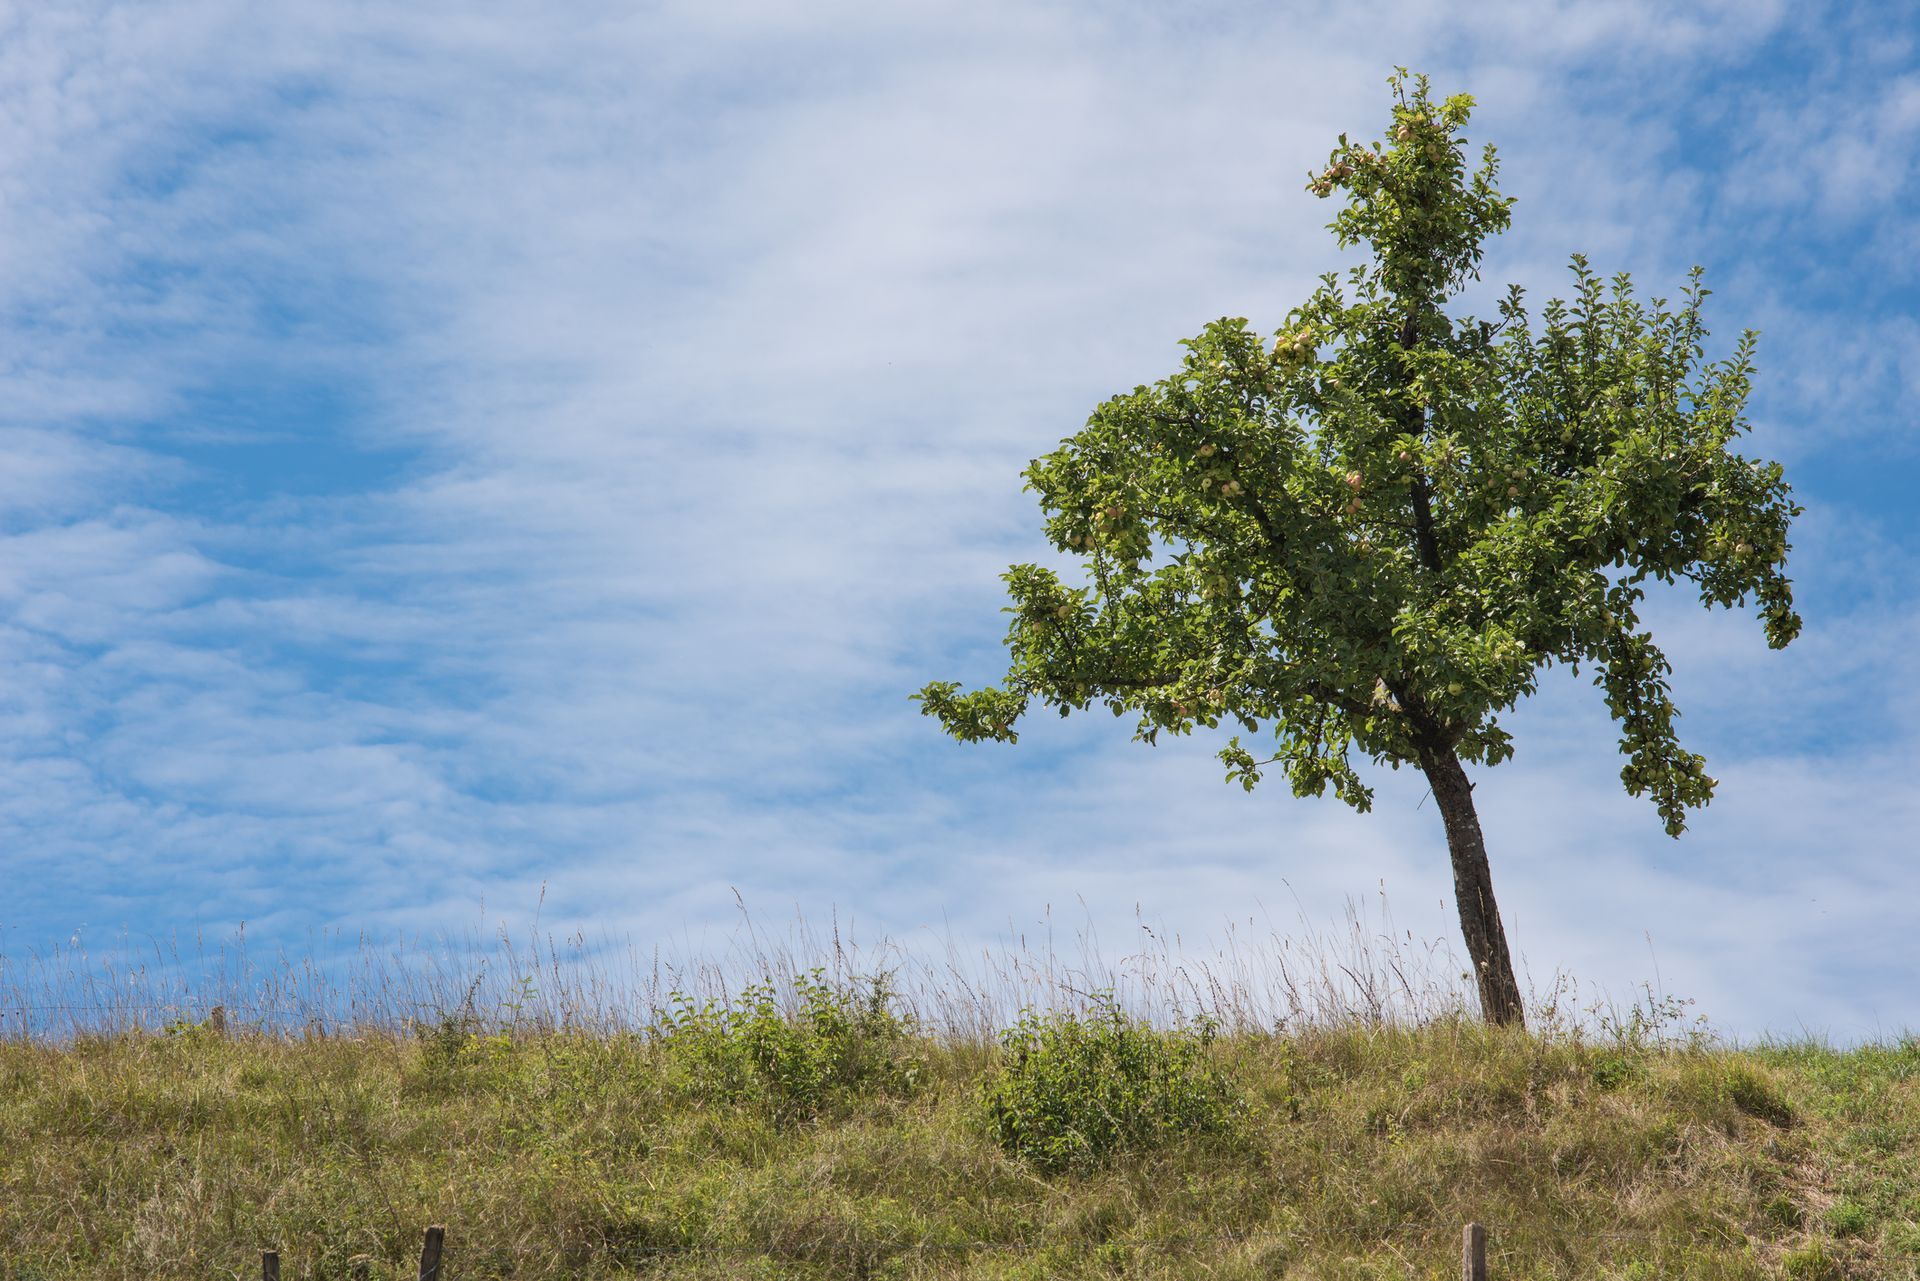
(1249, 977)
(803, 1105)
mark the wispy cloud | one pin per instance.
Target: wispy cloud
(450, 451)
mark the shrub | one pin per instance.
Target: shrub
(456, 1047)
(830, 1041)
(1073, 1090)
(1616, 1069)
(449, 1040)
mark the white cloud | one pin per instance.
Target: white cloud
(717, 339)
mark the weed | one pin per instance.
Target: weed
(1616, 1069)
(1342, 1119)
(1655, 1020)
(1754, 1095)
(838, 1040)
(1076, 1089)
(1784, 1213)
(1849, 1219)
(1812, 1262)
(449, 1038)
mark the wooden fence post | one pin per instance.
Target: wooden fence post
(1473, 1253)
(430, 1253)
(269, 1265)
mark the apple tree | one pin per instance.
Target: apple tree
(1368, 534)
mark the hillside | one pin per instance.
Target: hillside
(825, 1137)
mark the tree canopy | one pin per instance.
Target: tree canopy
(1367, 533)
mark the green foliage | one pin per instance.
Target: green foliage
(1076, 1089)
(450, 1039)
(1904, 1240)
(1616, 1068)
(213, 1027)
(1754, 1095)
(1783, 1213)
(1655, 1020)
(1849, 1219)
(1812, 1262)
(834, 1041)
(1372, 531)
(1727, 1092)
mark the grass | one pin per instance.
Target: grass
(815, 1125)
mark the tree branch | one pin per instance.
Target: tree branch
(1415, 423)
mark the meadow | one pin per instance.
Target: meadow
(1317, 1108)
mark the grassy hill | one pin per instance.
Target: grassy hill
(815, 1132)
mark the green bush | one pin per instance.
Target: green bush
(828, 1042)
(1073, 1090)
(1617, 1069)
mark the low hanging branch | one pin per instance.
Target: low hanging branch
(1372, 535)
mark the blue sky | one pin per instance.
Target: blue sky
(451, 450)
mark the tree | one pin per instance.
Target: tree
(1373, 535)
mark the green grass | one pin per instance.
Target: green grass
(824, 1133)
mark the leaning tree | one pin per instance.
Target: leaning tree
(1371, 534)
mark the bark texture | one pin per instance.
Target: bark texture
(1480, 924)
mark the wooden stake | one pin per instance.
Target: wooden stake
(430, 1253)
(269, 1265)
(1473, 1253)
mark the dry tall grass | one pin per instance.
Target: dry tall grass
(535, 1102)
(1261, 978)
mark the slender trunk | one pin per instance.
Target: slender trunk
(1473, 887)
(1413, 421)
(1480, 924)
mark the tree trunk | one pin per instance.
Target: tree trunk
(1473, 888)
